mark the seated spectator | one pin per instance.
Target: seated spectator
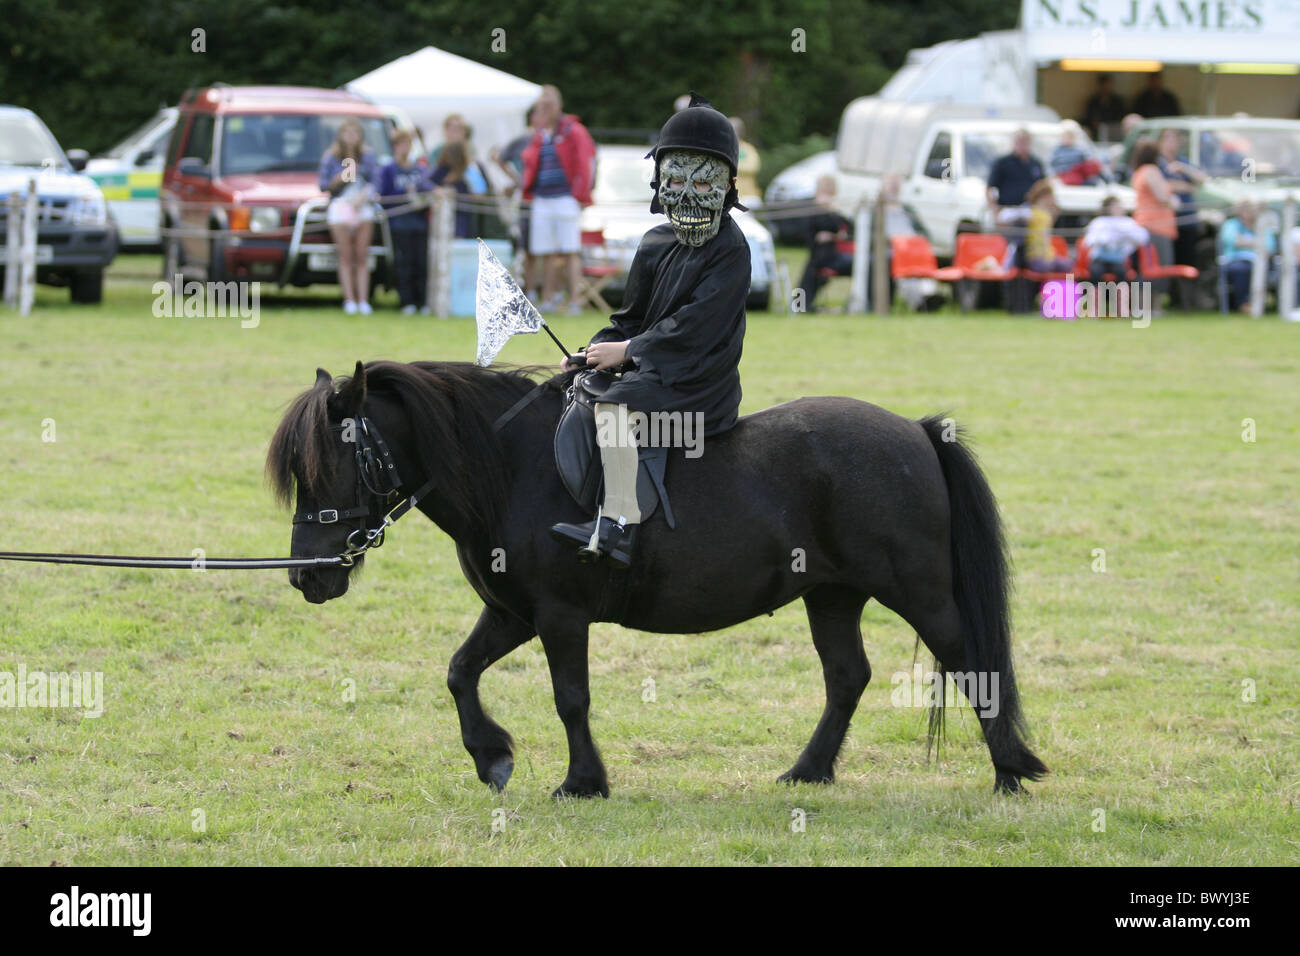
(400, 183)
(1112, 238)
(449, 174)
(1038, 234)
(825, 228)
(1239, 244)
(1073, 164)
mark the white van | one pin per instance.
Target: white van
(942, 154)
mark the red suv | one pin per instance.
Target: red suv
(240, 186)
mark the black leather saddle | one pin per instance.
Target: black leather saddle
(577, 457)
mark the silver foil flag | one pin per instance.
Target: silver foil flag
(501, 309)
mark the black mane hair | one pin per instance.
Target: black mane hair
(451, 407)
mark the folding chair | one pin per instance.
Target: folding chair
(595, 276)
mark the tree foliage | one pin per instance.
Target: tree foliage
(94, 71)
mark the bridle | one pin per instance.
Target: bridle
(379, 485)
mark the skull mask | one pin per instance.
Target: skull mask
(692, 190)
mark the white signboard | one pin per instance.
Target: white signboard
(1172, 31)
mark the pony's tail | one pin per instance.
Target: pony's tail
(981, 588)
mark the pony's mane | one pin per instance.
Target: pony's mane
(451, 407)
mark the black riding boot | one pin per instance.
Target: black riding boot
(616, 541)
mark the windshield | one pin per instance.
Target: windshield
(622, 178)
(1264, 152)
(288, 142)
(24, 141)
(983, 148)
(128, 145)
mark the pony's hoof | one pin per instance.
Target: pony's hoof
(797, 775)
(1009, 783)
(498, 772)
(581, 790)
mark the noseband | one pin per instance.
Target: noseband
(378, 486)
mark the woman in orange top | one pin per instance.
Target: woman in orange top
(1155, 203)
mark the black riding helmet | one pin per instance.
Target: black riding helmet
(700, 128)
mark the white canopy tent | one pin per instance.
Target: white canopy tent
(429, 84)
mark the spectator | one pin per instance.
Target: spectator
(750, 163)
(400, 183)
(1183, 179)
(1072, 163)
(348, 170)
(511, 160)
(1112, 238)
(1155, 204)
(1155, 100)
(559, 167)
(1104, 110)
(1012, 175)
(1239, 244)
(456, 130)
(1039, 255)
(450, 176)
(826, 227)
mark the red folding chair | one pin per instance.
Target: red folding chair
(972, 248)
(1083, 265)
(912, 257)
(595, 276)
(1149, 264)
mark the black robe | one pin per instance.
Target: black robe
(683, 315)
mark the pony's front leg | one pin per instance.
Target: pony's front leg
(565, 643)
(494, 636)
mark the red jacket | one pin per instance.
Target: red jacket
(577, 157)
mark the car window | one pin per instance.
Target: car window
(983, 148)
(939, 163)
(199, 145)
(174, 147)
(288, 142)
(24, 141)
(138, 135)
(1259, 151)
(622, 178)
(158, 144)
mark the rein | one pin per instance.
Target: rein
(378, 484)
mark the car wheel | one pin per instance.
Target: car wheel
(87, 287)
(216, 261)
(1207, 283)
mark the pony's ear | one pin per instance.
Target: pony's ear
(323, 378)
(347, 401)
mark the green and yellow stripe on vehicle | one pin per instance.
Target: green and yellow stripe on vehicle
(121, 186)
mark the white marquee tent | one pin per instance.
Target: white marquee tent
(429, 84)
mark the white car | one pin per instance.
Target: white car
(621, 210)
(129, 175)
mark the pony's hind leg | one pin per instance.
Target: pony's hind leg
(994, 702)
(835, 614)
(494, 636)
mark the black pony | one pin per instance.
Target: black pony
(827, 499)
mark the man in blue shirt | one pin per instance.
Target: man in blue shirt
(1013, 174)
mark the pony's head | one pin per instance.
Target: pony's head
(329, 457)
(312, 464)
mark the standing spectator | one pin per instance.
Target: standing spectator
(400, 183)
(1155, 204)
(750, 163)
(1183, 179)
(1240, 244)
(348, 171)
(456, 130)
(1155, 100)
(559, 168)
(511, 160)
(1112, 238)
(450, 175)
(1038, 235)
(1104, 110)
(826, 227)
(1012, 175)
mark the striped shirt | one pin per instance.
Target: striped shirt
(551, 180)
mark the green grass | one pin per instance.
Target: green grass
(225, 693)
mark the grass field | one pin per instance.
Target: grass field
(228, 735)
